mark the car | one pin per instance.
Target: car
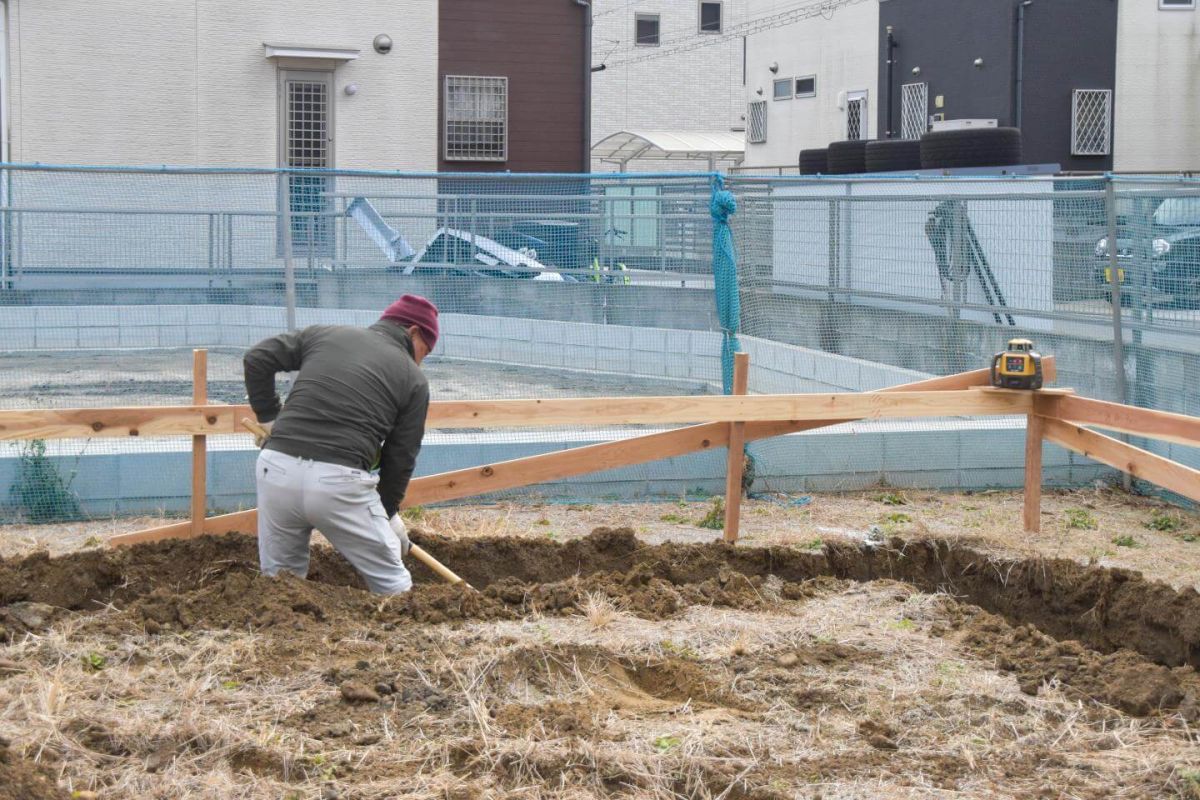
(456, 252)
(1173, 244)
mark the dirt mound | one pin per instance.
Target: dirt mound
(21, 780)
(241, 598)
(93, 578)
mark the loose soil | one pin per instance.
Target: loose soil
(598, 667)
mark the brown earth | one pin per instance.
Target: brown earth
(20, 779)
(603, 667)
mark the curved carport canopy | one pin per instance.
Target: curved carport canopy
(711, 146)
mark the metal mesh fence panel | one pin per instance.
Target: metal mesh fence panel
(585, 285)
(549, 286)
(871, 282)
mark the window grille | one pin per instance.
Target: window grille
(307, 145)
(856, 118)
(914, 110)
(476, 118)
(757, 122)
(1091, 113)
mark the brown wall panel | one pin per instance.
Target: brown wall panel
(538, 45)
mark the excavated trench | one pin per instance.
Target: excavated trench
(1108, 633)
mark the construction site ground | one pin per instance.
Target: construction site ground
(883, 644)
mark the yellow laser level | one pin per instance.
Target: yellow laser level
(1018, 367)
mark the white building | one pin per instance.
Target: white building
(810, 82)
(669, 65)
(221, 83)
(1157, 111)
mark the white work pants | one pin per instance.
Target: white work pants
(296, 495)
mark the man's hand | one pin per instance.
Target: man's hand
(261, 438)
(401, 531)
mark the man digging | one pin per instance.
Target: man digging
(355, 388)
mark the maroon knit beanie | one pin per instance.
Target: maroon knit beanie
(412, 310)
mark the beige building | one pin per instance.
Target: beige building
(669, 66)
(1157, 110)
(221, 83)
(810, 82)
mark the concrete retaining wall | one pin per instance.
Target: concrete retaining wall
(111, 480)
(120, 477)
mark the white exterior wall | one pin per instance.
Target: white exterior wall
(694, 90)
(1157, 101)
(168, 82)
(842, 51)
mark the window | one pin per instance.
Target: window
(856, 115)
(914, 110)
(476, 118)
(783, 89)
(710, 17)
(645, 30)
(1091, 110)
(757, 122)
(1170, 5)
(306, 142)
(806, 87)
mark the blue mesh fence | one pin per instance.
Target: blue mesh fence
(576, 285)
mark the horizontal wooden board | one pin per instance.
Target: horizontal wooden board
(1160, 471)
(1147, 422)
(141, 421)
(756, 408)
(577, 461)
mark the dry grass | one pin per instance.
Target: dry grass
(561, 706)
(550, 707)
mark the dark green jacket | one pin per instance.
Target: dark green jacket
(356, 388)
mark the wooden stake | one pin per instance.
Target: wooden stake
(199, 444)
(1035, 427)
(736, 465)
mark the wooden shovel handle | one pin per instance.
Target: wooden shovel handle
(443, 572)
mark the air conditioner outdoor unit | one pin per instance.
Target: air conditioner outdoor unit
(961, 124)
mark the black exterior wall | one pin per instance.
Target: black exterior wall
(1069, 44)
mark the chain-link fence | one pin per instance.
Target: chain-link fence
(937, 274)
(576, 285)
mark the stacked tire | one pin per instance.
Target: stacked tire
(893, 155)
(814, 162)
(971, 147)
(848, 157)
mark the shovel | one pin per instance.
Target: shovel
(418, 552)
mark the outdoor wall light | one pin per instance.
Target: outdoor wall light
(351, 89)
(774, 66)
(382, 44)
(916, 70)
(979, 62)
(758, 91)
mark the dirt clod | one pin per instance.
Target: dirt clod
(358, 693)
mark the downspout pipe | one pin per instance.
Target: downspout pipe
(891, 64)
(586, 164)
(1019, 77)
